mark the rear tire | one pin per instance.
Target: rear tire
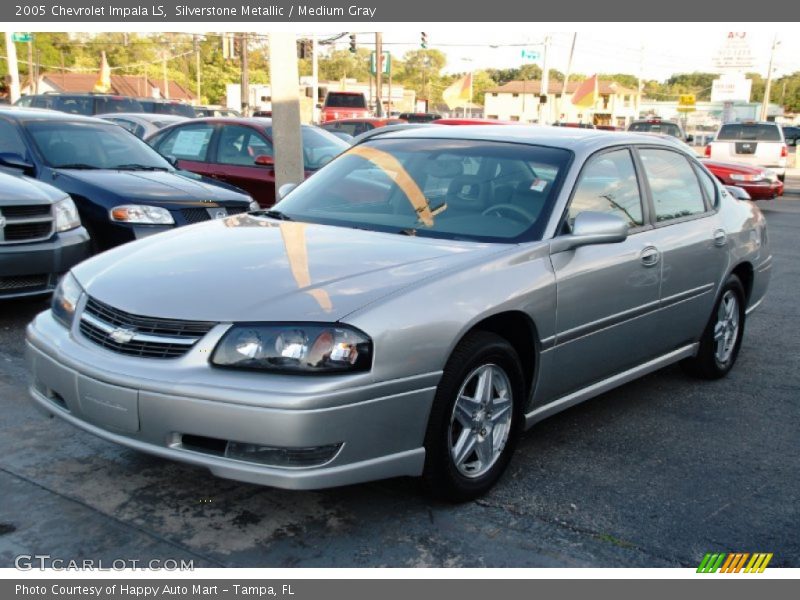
(475, 420)
(722, 337)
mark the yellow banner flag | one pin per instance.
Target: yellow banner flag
(459, 92)
(103, 84)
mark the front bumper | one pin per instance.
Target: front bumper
(48, 259)
(135, 403)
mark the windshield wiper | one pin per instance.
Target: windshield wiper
(75, 166)
(138, 167)
(276, 214)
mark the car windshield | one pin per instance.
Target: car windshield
(751, 132)
(657, 127)
(454, 189)
(319, 147)
(89, 145)
(338, 100)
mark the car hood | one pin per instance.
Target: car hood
(154, 186)
(730, 166)
(248, 268)
(24, 190)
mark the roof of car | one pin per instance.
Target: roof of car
(149, 117)
(563, 137)
(24, 113)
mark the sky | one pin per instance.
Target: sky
(658, 50)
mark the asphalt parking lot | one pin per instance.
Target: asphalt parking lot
(656, 473)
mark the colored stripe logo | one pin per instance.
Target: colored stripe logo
(734, 562)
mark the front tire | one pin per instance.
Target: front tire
(476, 418)
(722, 338)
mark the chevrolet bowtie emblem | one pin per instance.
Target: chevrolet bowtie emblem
(121, 336)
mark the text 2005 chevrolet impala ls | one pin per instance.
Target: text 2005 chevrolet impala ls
(409, 310)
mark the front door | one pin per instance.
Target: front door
(607, 294)
(236, 153)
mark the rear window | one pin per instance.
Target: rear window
(117, 105)
(339, 100)
(174, 108)
(751, 132)
(655, 127)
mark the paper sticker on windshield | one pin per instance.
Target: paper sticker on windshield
(538, 185)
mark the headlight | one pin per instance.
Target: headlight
(141, 214)
(65, 299)
(254, 206)
(294, 348)
(66, 215)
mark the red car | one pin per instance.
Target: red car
(761, 184)
(239, 151)
(344, 105)
(356, 127)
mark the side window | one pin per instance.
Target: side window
(10, 140)
(608, 184)
(188, 143)
(673, 184)
(709, 185)
(240, 146)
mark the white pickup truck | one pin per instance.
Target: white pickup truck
(756, 143)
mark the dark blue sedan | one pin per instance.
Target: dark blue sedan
(123, 189)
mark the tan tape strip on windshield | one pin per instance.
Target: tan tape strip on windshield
(392, 167)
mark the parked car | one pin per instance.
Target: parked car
(756, 143)
(760, 184)
(471, 121)
(609, 128)
(167, 107)
(344, 105)
(41, 237)
(81, 104)
(409, 309)
(142, 125)
(123, 189)
(239, 151)
(658, 125)
(356, 127)
(389, 128)
(574, 125)
(791, 133)
(216, 111)
(419, 117)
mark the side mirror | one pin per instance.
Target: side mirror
(284, 190)
(15, 161)
(592, 228)
(737, 192)
(262, 160)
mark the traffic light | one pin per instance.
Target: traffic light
(353, 43)
(423, 40)
(305, 49)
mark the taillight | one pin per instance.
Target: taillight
(784, 151)
(708, 151)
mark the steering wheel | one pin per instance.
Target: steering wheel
(512, 208)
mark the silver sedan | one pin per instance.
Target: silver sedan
(408, 310)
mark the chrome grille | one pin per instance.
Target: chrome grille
(25, 223)
(136, 335)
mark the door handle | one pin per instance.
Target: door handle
(650, 256)
(720, 237)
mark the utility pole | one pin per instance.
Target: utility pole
(30, 65)
(246, 76)
(566, 79)
(378, 74)
(196, 41)
(545, 87)
(285, 109)
(767, 89)
(13, 69)
(314, 80)
(164, 80)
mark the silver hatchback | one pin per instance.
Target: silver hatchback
(409, 310)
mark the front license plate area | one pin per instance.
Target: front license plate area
(109, 406)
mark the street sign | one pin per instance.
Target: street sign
(686, 103)
(387, 63)
(531, 55)
(21, 37)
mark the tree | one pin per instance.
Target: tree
(420, 71)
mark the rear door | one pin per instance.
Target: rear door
(690, 238)
(190, 146)
(607, 294)
(234, 162)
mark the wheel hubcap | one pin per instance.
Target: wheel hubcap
(726, 331)
(481, 420)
